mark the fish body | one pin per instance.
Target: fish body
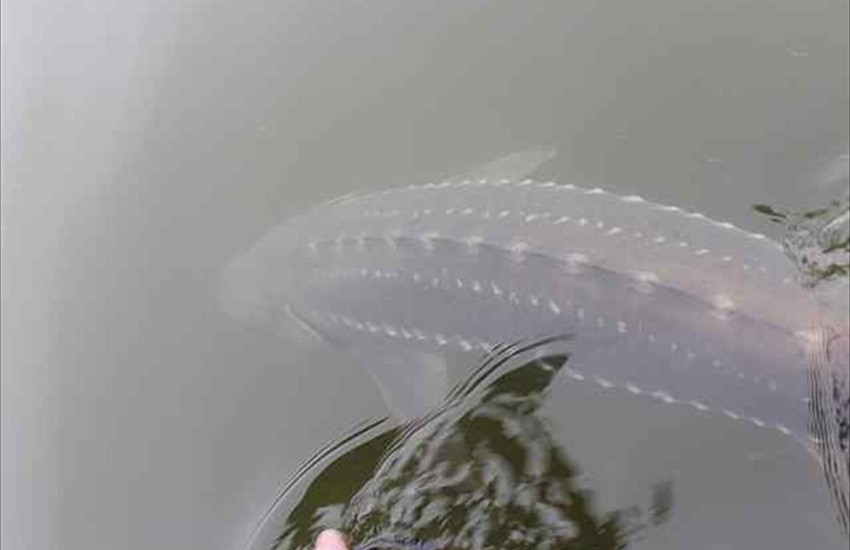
(671, 302)
(665, 303)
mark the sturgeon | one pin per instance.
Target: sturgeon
(663, 302)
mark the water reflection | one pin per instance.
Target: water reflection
(482, 471)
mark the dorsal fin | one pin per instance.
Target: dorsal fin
(514, 166)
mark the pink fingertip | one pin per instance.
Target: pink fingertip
(331, 539)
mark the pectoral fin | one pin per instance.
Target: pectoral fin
(411, 384)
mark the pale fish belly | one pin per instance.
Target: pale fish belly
(663, 302)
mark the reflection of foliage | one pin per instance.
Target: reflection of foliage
(327, 494)
(490, 478)
(817, 240)
(481, 472)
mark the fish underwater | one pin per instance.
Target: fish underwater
(664, 303)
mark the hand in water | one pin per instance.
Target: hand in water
(331, 539)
